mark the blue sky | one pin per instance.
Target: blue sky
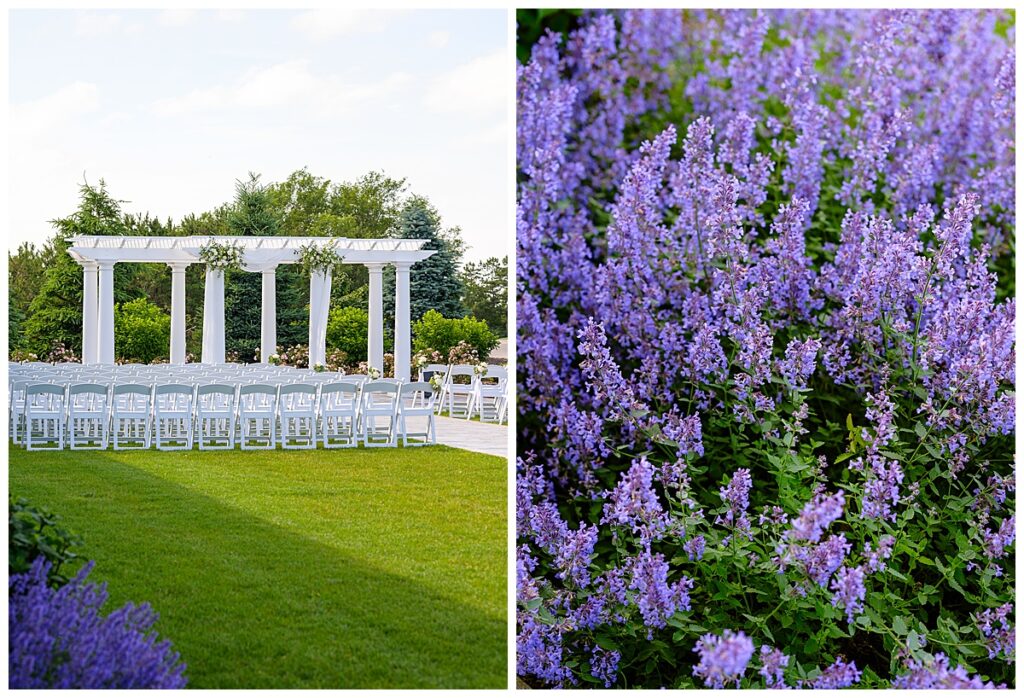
(170, 108)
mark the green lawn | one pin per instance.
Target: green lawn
(343, 568)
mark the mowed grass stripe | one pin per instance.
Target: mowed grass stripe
(346, 568)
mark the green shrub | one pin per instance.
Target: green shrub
(433, 331)
(141, 330)
(35, 532)
(347, 330)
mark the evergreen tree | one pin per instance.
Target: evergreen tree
(55, 314)
(243, 292)
(485, 292)
(434, 283)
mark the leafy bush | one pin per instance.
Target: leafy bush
(142, 331)
(347, 330)
(766, 362)
(34, 533)
(435, 332)
(58, 639)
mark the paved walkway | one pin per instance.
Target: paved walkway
(473, 436)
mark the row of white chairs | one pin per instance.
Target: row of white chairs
(484, 396)
(462, 393)
(177, 416)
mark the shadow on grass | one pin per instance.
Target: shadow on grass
(251, 605)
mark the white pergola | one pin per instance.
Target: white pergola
(99, 253)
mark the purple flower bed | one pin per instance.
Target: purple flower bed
(766, 350)
(58, 639)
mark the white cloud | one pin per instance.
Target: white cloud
(175, 18)
(43, 115)
(230, 15)
(96, 24)
(289, 84)
(477, 86)
(320, 25)
(438, 39)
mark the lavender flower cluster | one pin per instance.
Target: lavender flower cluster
(58, 639)
(766, 350)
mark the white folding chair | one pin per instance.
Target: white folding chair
(417, 400)
(425, 375)
(173, 408)
(44, 410)
(460, 395)
(338, 408)
(257, 413)
(17, 409)
(88, 416)
(215, 417)
(379, 400)
(131, 416)
(491, 392)
(297, 409)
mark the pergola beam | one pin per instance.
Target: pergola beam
(97, 254)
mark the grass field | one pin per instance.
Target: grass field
(343, 568)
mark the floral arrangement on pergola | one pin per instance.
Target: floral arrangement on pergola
(314, 258)
(222, 256)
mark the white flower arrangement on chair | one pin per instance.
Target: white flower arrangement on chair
(222, 256)
(319, 367)
(437, 380)
(373, 373)
(274, 360)
(481, 369)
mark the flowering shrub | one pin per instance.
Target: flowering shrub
(223, 256)
(22, 355)
(337, 360)
(58, 639)
(427, 356)
(59, 353)
(463, 353)
(766, 354)
(296, 356)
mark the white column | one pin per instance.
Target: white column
(178, 311)
(89, 312)
(316, 290)
(105, 314)
(268, 320)
(403, 350)
(213, 317)
(375, 334)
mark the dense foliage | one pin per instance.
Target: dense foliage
(59, 639)
(485, 292)
(441, 334)
(34, 532)
(347, 330)
(766, 350)
(45, 284)
(142, 331)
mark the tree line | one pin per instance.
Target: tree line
(45, 284)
